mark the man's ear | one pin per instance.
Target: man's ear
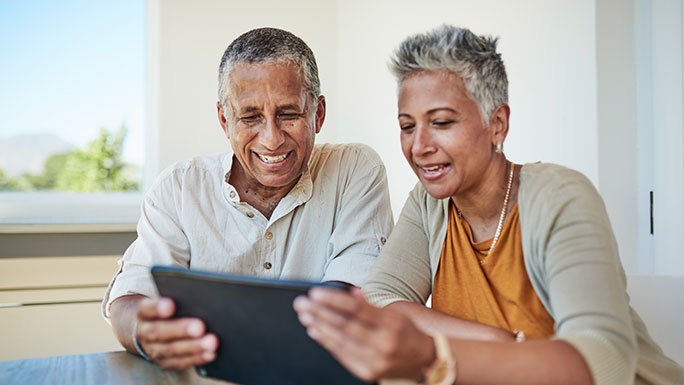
(498, 124)
(320, 113)
(222, 119)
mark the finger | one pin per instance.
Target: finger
(346, 304)
(153, 308)
(187, 361)
(310, 312)
(348, 325)
(168, 330)
(354, 354)
(160, 351)
(324, 324)
(302, 306)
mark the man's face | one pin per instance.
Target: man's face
(271, 122)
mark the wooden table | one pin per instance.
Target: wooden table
(114, 368)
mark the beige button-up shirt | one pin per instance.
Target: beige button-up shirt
(329, 227)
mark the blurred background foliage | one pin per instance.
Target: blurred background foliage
(97, 168)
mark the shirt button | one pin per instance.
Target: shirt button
(269, 235)
(232, 194)
(383, 240)
(267, 265)
(250, 214)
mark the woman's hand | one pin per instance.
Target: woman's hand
(370, 342)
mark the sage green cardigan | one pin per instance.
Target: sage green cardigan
(571, 258)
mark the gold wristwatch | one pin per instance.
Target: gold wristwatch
(443, 370)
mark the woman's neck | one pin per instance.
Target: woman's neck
(481, 206)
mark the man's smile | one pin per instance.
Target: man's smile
(272, 159)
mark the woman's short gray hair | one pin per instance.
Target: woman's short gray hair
(458, 50)
(265, 45)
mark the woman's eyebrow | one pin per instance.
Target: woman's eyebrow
(442, 109)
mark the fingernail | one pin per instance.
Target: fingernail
(164, 307)
(208, 356)
(312, 333)
(195, 329)
(299, 302)
(207, 342)
(305, 318)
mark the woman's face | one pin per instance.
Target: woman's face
(443, 136)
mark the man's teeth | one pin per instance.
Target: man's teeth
(272, 159)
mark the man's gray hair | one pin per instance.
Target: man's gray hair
(458, 50)
(268, 45)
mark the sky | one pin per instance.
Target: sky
(69, 67)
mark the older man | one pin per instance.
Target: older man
(275, 206)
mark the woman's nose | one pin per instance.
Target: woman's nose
(422, 141)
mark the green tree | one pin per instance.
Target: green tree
(48, 178)
(97, 168)
(7, 183)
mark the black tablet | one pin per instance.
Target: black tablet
(261, 341)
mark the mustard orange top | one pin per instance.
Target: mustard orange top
(496, 291)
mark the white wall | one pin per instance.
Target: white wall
(553, 116)
(191, 38)
(617, 122)
(549, 52)
(571, 66)
(667, 41)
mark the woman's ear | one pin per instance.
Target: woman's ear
(498, 124)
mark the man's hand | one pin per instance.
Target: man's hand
(173, 344)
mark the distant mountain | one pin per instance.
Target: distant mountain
(27, 153)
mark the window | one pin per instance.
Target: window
(72, 110)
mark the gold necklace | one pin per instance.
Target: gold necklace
(499, 226)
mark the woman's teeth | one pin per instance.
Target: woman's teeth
(432, 169)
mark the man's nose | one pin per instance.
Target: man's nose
(272, 136)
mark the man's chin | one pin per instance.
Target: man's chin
(279, 181)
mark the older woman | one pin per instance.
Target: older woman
(520, 260)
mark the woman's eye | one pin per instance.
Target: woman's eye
(442, 123)
(405, 127)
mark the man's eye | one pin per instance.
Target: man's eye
(250, 119)
(289, 116)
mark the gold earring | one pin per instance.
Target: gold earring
(499, 148)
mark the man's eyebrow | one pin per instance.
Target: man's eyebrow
(289, 107)
(248, 109)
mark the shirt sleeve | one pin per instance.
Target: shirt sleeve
(582, 277)
(402, 271)
(363, 218)
(161, 241)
